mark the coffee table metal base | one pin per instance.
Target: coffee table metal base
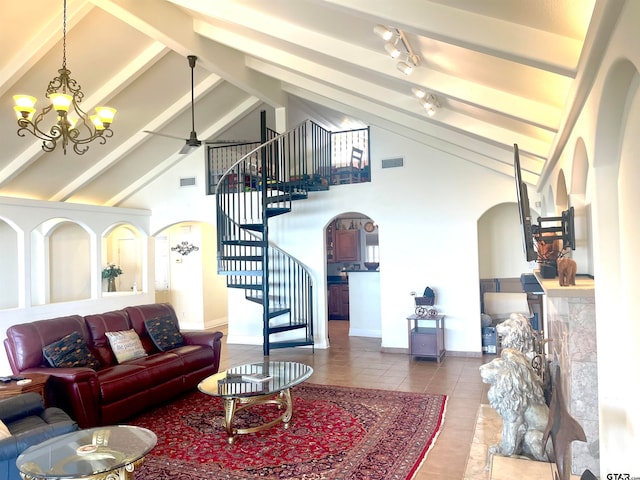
(123, 473)
(234, 405)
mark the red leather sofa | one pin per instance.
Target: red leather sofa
(113, 391)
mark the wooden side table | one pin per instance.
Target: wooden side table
(38, 384)
(426, 341)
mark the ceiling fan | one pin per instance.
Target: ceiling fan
(192, 142)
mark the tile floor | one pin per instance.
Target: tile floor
(357, 361)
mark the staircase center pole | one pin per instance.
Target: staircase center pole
(265, 236)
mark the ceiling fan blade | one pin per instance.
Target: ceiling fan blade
(164, 135)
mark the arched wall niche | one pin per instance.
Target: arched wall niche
(11, 273)
(562, 198)
(123, 245)
(61, 266)
(583, 254)
(500, 242)
(580, 169)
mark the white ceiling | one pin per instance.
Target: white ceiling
(504, 71)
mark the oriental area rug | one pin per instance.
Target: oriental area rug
(336, 433)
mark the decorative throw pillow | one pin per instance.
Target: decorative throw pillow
(70, 351)
(164, 333)
(126, 345)
(4, 431)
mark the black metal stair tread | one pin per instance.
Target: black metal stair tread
(317, 188)
(242, 273)
(272, 212)
(287, 327)
(285, 197)
(255, 227)
(245, 286)
(291, 343)
(245, 243)
(242, 258)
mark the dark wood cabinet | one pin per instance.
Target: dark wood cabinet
(347, 246)
(338, 302)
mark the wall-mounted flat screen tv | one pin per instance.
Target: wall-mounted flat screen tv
(561, 228)
(523, 209)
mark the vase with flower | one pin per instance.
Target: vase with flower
(111, 272)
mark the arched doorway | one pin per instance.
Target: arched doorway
(352, 266)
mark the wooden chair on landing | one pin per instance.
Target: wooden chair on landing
(352, 172)
(356, 164)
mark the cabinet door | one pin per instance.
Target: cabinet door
(346, 246)
(334, 301)
(344, 301)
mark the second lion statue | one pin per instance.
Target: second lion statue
(516, 394)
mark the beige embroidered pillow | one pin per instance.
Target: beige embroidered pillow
(126, 345)
(4, 431)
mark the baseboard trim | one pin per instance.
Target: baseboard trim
(453, 353)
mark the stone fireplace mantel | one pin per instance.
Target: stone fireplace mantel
(570, 324)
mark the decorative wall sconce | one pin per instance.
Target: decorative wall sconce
(395, 38)
(184, 248)
(428, 100)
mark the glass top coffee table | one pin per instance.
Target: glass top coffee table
(101, 453)
(240, 389)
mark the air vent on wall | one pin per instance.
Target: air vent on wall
(188, 182)
(392, 162)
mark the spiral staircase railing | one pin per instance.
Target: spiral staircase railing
(263, 184)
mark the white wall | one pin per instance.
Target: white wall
(607, 132)
(427, 212)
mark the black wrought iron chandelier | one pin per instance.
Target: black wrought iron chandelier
(73, 126)
(184, 248)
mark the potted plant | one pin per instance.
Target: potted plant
(111, 272)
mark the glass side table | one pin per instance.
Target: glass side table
(101, 453)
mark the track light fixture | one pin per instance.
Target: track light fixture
(428, 100)
(383, 32)
(392, 50)
(394, 39)
(405, 68)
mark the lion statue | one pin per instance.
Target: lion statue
(516, 394)
(516, 332)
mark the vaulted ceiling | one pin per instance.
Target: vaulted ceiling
(503, 71)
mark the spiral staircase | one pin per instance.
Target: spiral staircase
(259, 186)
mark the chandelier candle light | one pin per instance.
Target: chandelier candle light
(65, 93)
